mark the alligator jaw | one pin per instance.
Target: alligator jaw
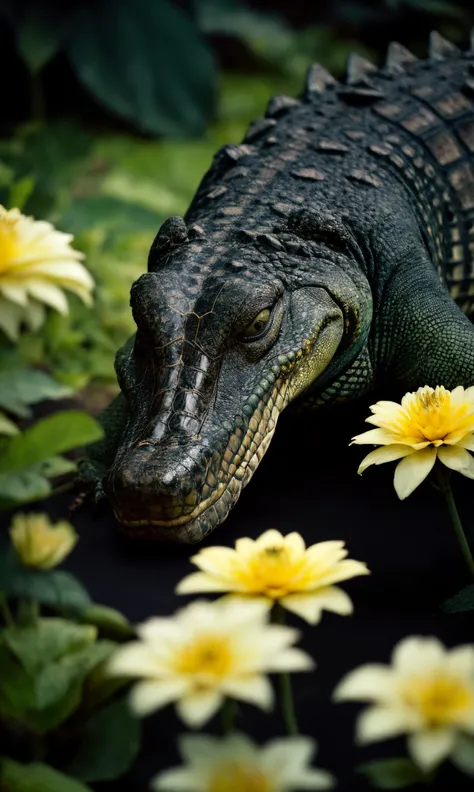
(192, 528)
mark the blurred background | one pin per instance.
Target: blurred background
(111, 111)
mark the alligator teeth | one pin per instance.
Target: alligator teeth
(440, 48)
(317, 80)
(398, 57)
(359, 70)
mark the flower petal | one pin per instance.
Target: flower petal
(417, 654)
(429, 748)
(367, 683)
(134, 659)
(379, 723)
(255, 690)
(195, 709)
(178, 779)
(467, 442)
(373, 437)
(385, 454)
(310, 606)
(292, 660)
(202, 582)
(458, 459)
(148, 696)
(412, 470)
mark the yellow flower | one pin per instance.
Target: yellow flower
(278, 568)
(236, 764)
(40, 544)
(205, 652)
(427, 692)
(430, 423)
(36, 264)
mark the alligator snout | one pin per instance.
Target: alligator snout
(161, 487)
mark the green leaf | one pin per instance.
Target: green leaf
(20, 387)
(17, 690)
(392, 773)
(49, 587)
(108, 745)
(48, 639)
(47, 437)
(59, 686)
(108, 620)
(461, 602)
(38, 39)
(36, 777)
(7, 427)
(22, 487)
(146, 62)
(20, 191)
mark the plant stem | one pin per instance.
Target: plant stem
(5, 610)
(227, 716)
(37, 97)
(445, 487)
(286, 693)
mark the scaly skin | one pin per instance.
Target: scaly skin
(312, 264)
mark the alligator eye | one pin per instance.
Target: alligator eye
(258, 325)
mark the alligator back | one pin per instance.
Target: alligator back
(412, 119)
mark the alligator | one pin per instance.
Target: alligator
(331, 252)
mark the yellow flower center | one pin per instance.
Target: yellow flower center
(272, 571)
(429, 414)
(233, 777)
(439, 699)
(7, 242)
(208, 654)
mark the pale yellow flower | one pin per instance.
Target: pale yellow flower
(205, 652)
(427, 692)
(429, 424)
(40, 544)
(236, 764)
(278, 569)
(36, 264)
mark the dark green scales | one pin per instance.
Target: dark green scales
(318, 259)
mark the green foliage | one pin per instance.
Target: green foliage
(28, 459)
(147, 62)
(54, 587)
(461, 602)
(21, 386)
(392, 773)
(36, 777)
(108, 745)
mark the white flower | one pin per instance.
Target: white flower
(279, 569)
(236, 764)
(427, 692)
(36, 264)
(429, 424)
(204, 653)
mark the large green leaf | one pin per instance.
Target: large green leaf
(47, 437)
(392, 773)
(22, 487)
(36, 777)
(461, 602)
(108, 745)
(48, 639)
(22, 386)
(147, 62)
(49, 587)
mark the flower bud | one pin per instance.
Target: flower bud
(40, 544)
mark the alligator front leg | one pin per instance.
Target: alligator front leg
(422, 337)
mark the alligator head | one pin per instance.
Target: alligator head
(231, 327)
